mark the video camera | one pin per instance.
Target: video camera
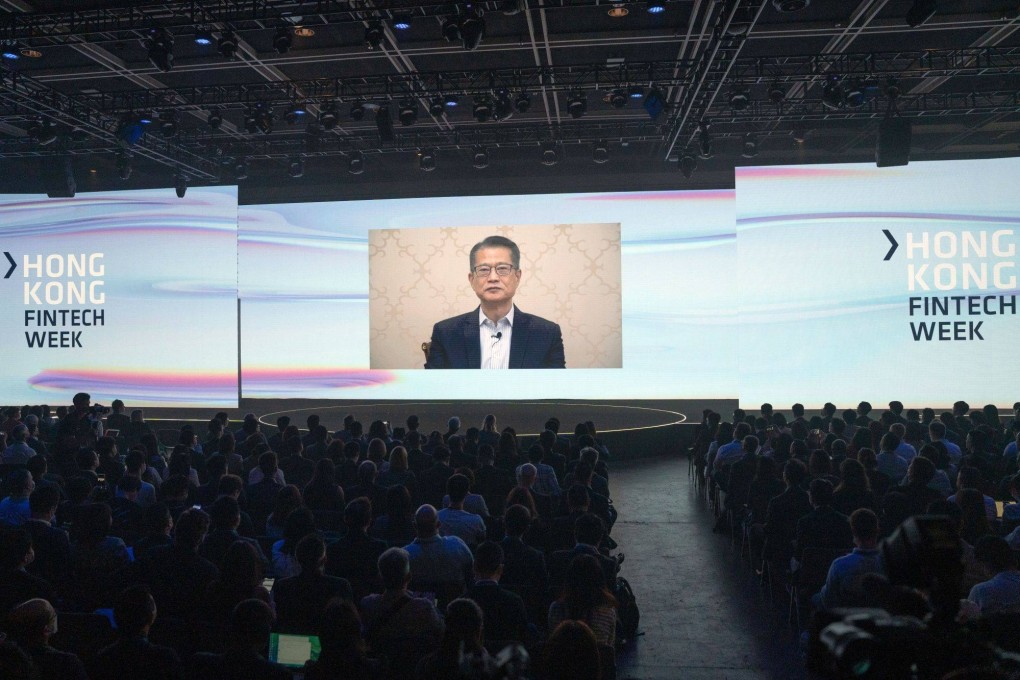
(910, 637)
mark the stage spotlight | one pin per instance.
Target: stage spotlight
(687, 165)
(374, 35)
(502, 108)
(472, 28)
(124, 168)
(408, 112)
(833, 94)
(357, 110)
(259, 119)
(522, 102)
(482, 109)
(777, 95)
(215, 118)
(704, 140)
(635, 92)
(11, 52)
(451, 30)
(203, 37)
(402, 22)
(160, 46)
(920, 12)
(856, 96)
(550, 155)
(577, 105)
(384, 124)
(356, 163)
(739, 101)
(437, 107)
(655, 6)
(168, 123)
(328, 116)
(296, 168)
(617, 98)
(283, 40)
(450, 100)
(295, 112)
(427, 160)
(618, 11)
(42, 132)
(241, 169)
(481, 158)
(180, 184)
(799, 133)
(512, 7)
(131, 129)
(227, 45)
(750, 149)
(600, 153)
(787, 6)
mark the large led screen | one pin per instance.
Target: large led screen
(859, 282)
(129, 295)
(630, 293)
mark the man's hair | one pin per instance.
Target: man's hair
(457, 486)
(496, 242)
(589, 529)
(358, 513)
(225, 512)
(133, 610)
(864, 524)
(19, 481)
(488, 558)
(821, 492)
(43, 499)
(251, 622)
(268, 464)
(191, 528)
(795, 472)
(889, 442)
(838, 426)
(921, 470)
(937, 429)
(577, 497)
(394, 566)
(309, 552)
(968, 478)
(517, 520)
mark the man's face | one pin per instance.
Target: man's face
(494, 288)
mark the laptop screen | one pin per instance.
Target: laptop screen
(293, 650)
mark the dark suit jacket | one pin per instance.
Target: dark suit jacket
(523, 565)
(354, 558)
(781, 517)
(136, 658)
(52, 551)
(823, 528)
(536, 343)
(504, 612)
(300, 600)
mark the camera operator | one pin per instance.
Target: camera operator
(82, 418)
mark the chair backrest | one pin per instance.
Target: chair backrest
(815, 567)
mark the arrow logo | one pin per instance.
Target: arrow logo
(13, 265)
(895, 245)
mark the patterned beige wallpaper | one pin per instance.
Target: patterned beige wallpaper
(570, 275)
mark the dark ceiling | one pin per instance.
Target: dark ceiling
(814, 84)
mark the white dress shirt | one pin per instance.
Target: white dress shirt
(495, 350)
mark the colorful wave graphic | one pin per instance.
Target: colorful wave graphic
(680, 196)
(289, 382)
(141, 386)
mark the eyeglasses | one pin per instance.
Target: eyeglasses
(502, 270)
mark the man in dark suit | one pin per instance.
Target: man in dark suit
(496, 334)
(16, 584)
(784, 511)
(225, 516)
(505, 615)
(561, 530)
(51, 545)
(176, 573)
(588, 534)
(31, 624)
(491, 482)
(367, 487)
(432, 483)
(354, 556)
(823, 527)
(522, 564)
(301, 600)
